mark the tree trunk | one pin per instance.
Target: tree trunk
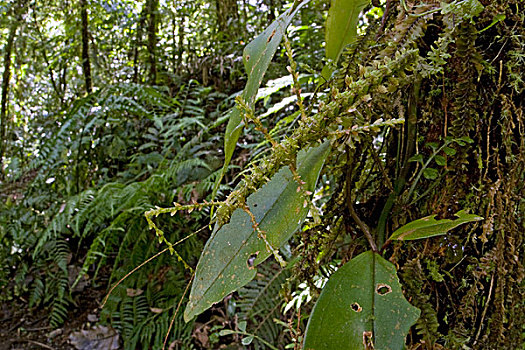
(272, 4)
(227, 16)
(152, 7)
(56, 87)
(136, 48)
(86, 65)
(6, 76)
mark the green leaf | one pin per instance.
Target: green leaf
(498, 18)
(257, 57)
(231, 254)
(416, 158)
(449, 151)
(440, 160)
(361, 302)
(430, 173)
(433, 145)
(341, 25)
(466, 139)
(430, 227)
(341, 28)
(226, 332)
(242, 326)
(247, 340)
(465, 9)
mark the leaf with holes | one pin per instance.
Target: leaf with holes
(430, 227)
(361, 307)
(231, 254)
(257, 57)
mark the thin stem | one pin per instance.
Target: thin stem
(129, 274)
(427, 163)
(364, 227)
(270, 346)
(262, 235)
(177, 310)
(409, 147)
(292, 68)
(173, 210)
(349, 203)
(248, 116)
(152, 258)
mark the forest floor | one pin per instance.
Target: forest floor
(22, 327)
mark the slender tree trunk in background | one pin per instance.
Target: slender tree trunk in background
(180, 42)
(63, 76)
(56, 87)
(227, 16)
(271, 10)
(174, 39)
(5, 90)
(244, 14)
(6, 76)
(151, 7)
(86, 65)
(137, 46)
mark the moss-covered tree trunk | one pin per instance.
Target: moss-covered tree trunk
(479, 301)
(469, 284)
(462, 146)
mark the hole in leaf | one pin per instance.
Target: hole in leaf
(367, 340)
(247, 57)
(356, 307)
(271, 36)
(251, 259)
(255, 205)
(383, 289)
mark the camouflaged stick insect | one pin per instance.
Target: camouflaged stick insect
(313, 129)
(248, 116)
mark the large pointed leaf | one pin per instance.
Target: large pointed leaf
(257, 57)
(232, 252)
(341, 25)
(430, 227)
(341, 28)
(361, 304)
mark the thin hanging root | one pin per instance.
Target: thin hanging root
(177, 311)
(152, 258)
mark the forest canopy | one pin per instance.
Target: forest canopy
(262, 174)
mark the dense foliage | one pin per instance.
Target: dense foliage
(113, 109)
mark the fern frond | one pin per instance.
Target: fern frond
(260, 302)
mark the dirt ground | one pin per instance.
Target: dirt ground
(24, 328)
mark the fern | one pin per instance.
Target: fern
(260, 303)
(57, 282)
(87, 193)
(414, 281)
